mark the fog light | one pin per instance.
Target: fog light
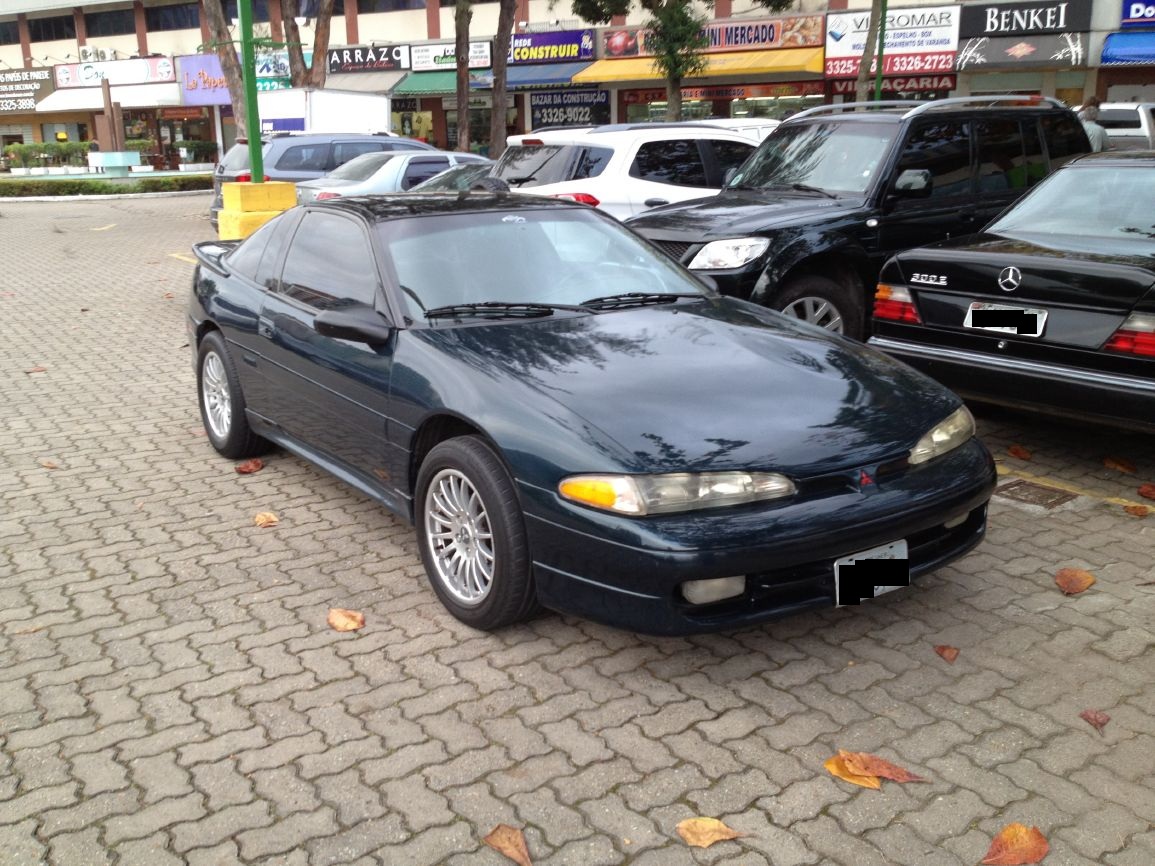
(707, 591)
(957, 521)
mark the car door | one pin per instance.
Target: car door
(662, 172)
(941, 147)
(421, 168)
(332, 395)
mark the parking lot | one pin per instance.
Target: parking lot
(170, 691)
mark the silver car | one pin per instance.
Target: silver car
(382, 172)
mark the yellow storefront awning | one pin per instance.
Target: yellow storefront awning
(723, 63)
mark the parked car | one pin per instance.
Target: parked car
(383, 172)
(1051, 307)
(834, 191)
(623, 168)
(470, 175)
(295, 157)
(1129, 125)
(572, 420)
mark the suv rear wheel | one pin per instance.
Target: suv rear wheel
(823, 302)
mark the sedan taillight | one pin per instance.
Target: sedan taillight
(247, 178)
(895, 305)
(579, 197)
(1136, 336)
(321, 196)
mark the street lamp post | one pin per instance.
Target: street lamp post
(249, 78)
(879, 55)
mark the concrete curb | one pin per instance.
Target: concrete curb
(5, 199)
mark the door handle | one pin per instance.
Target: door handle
(654, 202)
(265, 328)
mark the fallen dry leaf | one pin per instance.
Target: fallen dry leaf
(1016, 845)
(1097, 719)
(1072, 581)
(1147, 491)
(248, 467)
(836, 766)
(704, 832)
(49, 464)
(508, 841)
(1119, 464)
(866, 764)
(1020, 452)
(168, 296)
(345, 620)
(39, 369)
(950, 653)
(1137, 510)
(266, 518)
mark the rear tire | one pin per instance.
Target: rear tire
(472, 535)
(823, 302)
(222, 403)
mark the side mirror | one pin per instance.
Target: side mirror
(357, 324)
(729, 175)
(914, 183)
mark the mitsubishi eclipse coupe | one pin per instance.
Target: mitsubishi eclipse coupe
(573, 421)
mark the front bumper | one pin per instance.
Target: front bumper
(1058, 389)
(785, 551)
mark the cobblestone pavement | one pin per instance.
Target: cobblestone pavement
(170, 693)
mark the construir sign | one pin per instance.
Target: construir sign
(560, 46)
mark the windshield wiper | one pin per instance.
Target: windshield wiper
(499, 310)
(636, 299)
(805, 187)
(520, 180)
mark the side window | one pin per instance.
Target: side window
(304, 157)
(590, 162)
(1036, 160)
(343, 151)
(1002, 165)
(674, 162)
(730, 154)
(317, 277)
(423, 168)
(942, 148)
(1065, 139)
(246, 258)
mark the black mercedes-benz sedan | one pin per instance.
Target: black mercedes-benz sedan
(572, 420)
(1050, 308)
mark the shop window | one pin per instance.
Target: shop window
(51, 29)
(116, 22)
(260, 9)
(184, 16)
(9, 33)
(674, 162)
(943, 149)
(367, 7)
(311, 264)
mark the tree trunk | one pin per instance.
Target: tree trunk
(226, 50)
(462, 15)
(673, 99)
(505, 18)
(862, 85)
(314, 74)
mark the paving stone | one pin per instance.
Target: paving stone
(288, 834)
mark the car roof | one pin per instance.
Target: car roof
(898, 110)
(377, 208)
(1115, 157)
(622, 133)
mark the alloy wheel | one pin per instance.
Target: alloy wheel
(460, 537)
(816, 311)
(217, 398)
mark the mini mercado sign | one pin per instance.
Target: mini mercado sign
(796, 31)
(21, 89)
(729, 91)
(556, 46)
(919, 40)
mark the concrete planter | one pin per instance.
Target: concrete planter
(57, 169)
(116, 163)
(77, 169)
(19, 172)
(140, 168)
(38, 169)
(197, 166)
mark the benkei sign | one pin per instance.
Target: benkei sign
(920, 40)
(1024, 19)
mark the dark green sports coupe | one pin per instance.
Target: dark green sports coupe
(574, 421)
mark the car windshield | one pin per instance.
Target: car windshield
(1101, 201)
(525, 166)
(237, 157)
(551, 256)
(361, 167)
(833, 157)
(455, 179)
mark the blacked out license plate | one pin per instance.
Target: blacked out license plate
(870, 573)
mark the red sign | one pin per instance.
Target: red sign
(729, 91)
(795, 31)
(893, 64)
(903, 84)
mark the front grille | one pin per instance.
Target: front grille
(674, 249)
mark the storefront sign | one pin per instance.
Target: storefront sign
(730, 91)
(21, 89)
(564, 107)
(1138, 15)
(442, 55)
(904, 84)
(1022, 19)
(919, 40)
(368, 58)
(476, 100)
(201, 80)
(143, 70)
(1007, 52)
(797, 31)
(558, 46)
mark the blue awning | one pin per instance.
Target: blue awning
(1129, 49)
(531, 75)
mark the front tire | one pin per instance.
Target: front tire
(823, 302)
(472, 535)
(222, 403)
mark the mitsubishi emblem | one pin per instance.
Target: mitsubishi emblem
(1010, 278)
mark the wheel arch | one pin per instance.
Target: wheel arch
(436, 429)
(826, 255)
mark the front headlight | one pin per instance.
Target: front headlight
(947, 435)
(731, 253)
(639, 495)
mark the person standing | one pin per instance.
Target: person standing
(1089, 116)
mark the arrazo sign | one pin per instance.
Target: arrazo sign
(1024, 19)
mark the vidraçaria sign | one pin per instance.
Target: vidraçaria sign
(1044, 33)
(557, 46)
(919, 40)
(797, 31)
(21, 89)
(442, 55)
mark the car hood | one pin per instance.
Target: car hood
(734, 213)
(716, 384)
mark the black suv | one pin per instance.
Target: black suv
(807, 222)
(297, 156)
